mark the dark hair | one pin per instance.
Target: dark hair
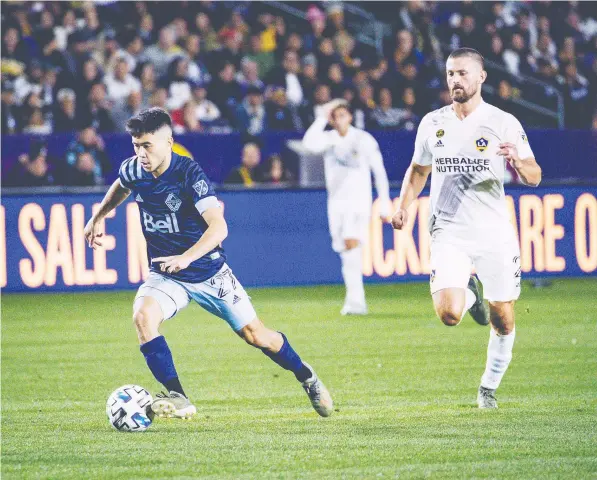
(148, 121)
(469, 52)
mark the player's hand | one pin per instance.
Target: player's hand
(399, 219)
(510, 152)
(329, 107)
(172, 264)
(384, 211)
(92, 233)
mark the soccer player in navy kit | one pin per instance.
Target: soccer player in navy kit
(184, 226)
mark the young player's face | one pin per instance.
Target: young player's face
(342, 119)
(465, 77)
(153, 149)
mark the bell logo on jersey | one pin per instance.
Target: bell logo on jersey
(482, 144)
(166, 224)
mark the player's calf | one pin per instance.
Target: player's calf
(275, 345)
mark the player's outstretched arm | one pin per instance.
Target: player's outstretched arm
(216, 233)
(114, 197)
(414, 181)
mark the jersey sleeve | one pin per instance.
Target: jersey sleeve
(422, 155)
(515, 134)
(201, 190)
(128, 171)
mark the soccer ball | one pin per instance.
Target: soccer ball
(128, 409)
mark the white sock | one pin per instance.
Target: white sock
(469, 300)
(352, 273)
(499, 354)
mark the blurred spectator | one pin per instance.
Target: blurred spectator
(249, 75)
(121, 113)
(364, 106)
(576, 97)
(335, 12)
(86, 161)
(10, 116)
(317, 22)
(345, 45)
(209, 38)
(409, 103)
(516, 56)
(132, 51)
(177, 83)
(146, 74)
(159, 98)
(274, 171)
(289, 77)
(121, 83)
(206, 111)
(198, 71)
(62, 31)
(310, 111)
(15, 54)
(279, 116)
(163, 52)
(96, 111)
(32, 170)
(36, 124)
(250, 113)
(247, 174)
(310, 79)
(146, 29)
(91, 75)
(65, 118)
(231, 50)
(225, 92)
(326, 55)
(335, 80)
(386, 116)
(265, 60)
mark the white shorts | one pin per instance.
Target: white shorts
(222, 295)
(346, 225)
(498, 268)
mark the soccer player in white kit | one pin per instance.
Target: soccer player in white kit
(350, 155)
(466, 145)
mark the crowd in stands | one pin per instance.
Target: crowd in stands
(219, 67)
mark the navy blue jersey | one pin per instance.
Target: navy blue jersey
(171, 206)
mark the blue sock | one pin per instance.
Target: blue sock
(288, 359)
(159, 360)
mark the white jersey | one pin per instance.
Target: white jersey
(348, 162)
(467, 180)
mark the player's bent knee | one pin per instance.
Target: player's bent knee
(449, 318)
(146, 323)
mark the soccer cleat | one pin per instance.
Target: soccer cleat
(353, 310)
(173, 405)
(318, 394)
(486, 398)
(478, 311)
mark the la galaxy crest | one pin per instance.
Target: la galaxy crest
(481, 144)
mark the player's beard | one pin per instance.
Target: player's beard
(463, 96)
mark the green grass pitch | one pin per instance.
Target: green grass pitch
(404, 387)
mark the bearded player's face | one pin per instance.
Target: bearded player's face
(464, 76)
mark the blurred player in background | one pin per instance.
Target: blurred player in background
(350, 155)
(184, 226)
(465, 145)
